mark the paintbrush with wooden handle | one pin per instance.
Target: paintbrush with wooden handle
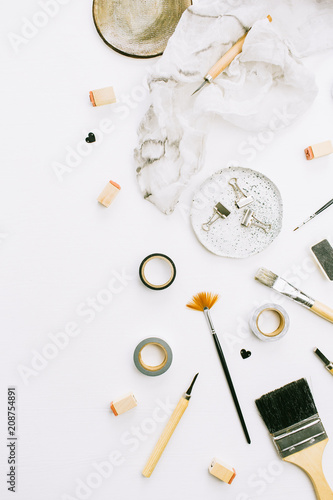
(225, 60)
(168, 431)
(292, 419)
(280, 285)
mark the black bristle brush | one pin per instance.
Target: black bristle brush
(204, 301)
(298, 434)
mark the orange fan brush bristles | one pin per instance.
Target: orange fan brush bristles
(202, 300)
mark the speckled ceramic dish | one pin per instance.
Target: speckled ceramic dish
(138, 28)
(227, 237)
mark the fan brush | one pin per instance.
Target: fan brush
(204, 301)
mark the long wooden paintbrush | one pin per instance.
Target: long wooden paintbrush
(298, 434)
(204, 301)
(280, 285)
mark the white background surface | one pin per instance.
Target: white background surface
(59, 247)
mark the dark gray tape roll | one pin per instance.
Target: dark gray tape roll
(161, 286)
(153, 371)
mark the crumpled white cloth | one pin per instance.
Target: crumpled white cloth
(266, 78)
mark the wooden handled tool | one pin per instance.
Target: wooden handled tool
(298, 433)
(168, 431)
(322, 310)
(225, 60)
(280, 285)
(310, 460)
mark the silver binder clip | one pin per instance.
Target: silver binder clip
(220, 212)
(241, 199)
(249, 219)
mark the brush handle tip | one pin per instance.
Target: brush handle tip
(310, 460)
(323, 311)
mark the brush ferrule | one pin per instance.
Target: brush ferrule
(206, 312)
(303, 299)
(293, 293)
(299, 436)
(322, 357)
(329, 367)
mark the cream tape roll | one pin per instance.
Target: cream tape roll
(157, 286)
(281, 329)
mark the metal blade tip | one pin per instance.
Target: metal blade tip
(200, 87)
(189, 390)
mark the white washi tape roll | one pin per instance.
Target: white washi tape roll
(280, 331)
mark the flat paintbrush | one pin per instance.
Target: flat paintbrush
(280, 285)
(168, 430)
(298, 434)
(204, 302)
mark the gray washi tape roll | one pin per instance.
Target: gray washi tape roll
(153, 371)
(281, 329)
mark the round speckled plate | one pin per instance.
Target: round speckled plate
(138, 28)
(227, 237)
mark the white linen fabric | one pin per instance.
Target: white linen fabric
(266, 79)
